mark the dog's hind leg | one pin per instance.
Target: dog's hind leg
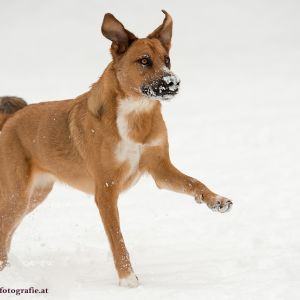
(14, 197)
(13, 209)
(38, 195)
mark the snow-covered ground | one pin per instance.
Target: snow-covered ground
(235, 126)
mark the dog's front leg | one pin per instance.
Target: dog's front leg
(106, 199)
(168, 177)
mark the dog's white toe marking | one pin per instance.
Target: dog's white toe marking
(221, 204)
(131, 281)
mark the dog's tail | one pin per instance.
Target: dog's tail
(8, 106)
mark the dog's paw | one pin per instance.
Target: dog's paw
(220, 204)
(3, 264)
(131, 281)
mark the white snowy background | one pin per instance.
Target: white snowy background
(235, 126)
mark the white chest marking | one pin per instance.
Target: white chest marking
(127, 149)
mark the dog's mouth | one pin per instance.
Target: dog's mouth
(163, 89)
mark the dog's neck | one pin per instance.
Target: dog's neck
(103, 93)
(107, 100)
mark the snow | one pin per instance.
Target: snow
(234, 125)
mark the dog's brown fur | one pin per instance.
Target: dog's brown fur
(75, 141)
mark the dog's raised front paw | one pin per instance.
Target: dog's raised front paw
(131, 281)
(221, 204)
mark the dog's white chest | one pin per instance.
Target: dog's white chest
(127, 149)
(130, 152)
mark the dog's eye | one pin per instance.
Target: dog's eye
(167, 61)
(145, 61)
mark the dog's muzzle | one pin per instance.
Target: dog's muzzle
(164, 88)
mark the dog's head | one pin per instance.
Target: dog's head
(142, 66)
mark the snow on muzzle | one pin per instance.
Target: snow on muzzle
(164, 88)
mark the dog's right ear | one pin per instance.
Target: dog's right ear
(115, 31)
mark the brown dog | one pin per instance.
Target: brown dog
(100, 143)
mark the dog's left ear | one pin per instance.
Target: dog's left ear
(115, 31)
(164, 32)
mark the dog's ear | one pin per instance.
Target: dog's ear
(115, 31)
(164, 32)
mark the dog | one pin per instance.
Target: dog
(100, 142)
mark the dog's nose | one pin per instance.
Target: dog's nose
(172, 81)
